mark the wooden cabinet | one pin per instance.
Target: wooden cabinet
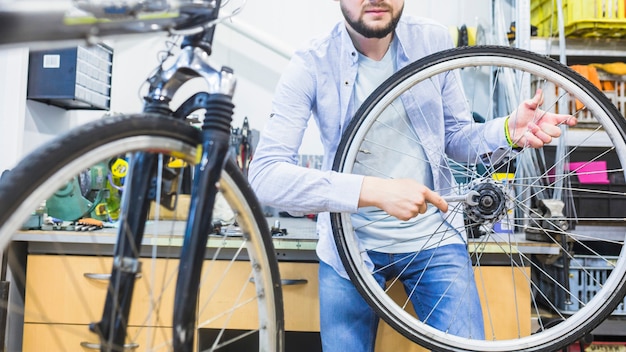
(300, 292)
(300, 296)
(66, 286)
(52, 281)
(71, 290)
(58, 337)
(509, 303)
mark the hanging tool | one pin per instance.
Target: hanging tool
(241, 145)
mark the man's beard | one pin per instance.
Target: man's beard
(368, 32)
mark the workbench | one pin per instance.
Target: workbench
(298, 268)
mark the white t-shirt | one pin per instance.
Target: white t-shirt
(381, 232)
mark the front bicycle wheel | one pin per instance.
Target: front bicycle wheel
(59, 269)
(544, 235)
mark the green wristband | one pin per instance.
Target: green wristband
(507, 134)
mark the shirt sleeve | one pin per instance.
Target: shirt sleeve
(466, 140)
(274, 174)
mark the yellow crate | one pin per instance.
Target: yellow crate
(581, 18)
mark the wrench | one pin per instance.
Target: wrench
(468, 198)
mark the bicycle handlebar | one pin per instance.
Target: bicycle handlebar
(43, 22)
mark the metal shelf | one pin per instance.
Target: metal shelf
(596, 48)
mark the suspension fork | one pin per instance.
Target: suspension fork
(126, 265)
(215, 146)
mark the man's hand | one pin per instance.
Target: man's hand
(530, 126)
(402, 198)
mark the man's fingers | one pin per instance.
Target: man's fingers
(539, 95)
(551, 130)
(435, 199)
(536, 101)
(557, 119)
(569, 120)
(542, 136)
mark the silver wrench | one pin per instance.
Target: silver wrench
(468, 198)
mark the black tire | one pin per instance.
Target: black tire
(569, 239)
(244, 247)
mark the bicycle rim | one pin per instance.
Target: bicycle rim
(59, 274)
(557, 238)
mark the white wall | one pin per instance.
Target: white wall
(287, 23)
(292, 24)
(13, 68)
(24, 124)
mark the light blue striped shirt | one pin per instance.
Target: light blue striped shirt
(319, 83)
(393, 130)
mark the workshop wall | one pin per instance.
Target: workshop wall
(284, 24)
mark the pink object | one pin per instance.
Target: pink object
(590, 171)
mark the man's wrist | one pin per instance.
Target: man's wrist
(507, 134)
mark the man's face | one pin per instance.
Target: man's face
(372, 18)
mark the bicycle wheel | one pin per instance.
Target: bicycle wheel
(546, 246)
(58, 272)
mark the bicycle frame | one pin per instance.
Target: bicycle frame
(192, 62)
(58, 26)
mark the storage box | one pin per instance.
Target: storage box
(598, 346)
(612, 85)
(590, 172)
(581, 18)
(74, 78)
(585, 277)
(599, 201)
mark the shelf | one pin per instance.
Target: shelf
(586, 137)
(599, 49)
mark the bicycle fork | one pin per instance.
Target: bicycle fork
(126, 266)
(215, 146)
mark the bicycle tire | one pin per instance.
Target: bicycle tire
(241, 258)
(557, 309)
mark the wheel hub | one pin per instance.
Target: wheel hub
(491, 201)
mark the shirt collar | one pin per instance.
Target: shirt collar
(400, 36)
(347, 45)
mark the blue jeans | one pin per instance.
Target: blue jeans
(349, 324)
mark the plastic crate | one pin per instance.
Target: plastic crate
(586, 275)
(599, 200)
(615, 89)
(613, 86)
(581, 18)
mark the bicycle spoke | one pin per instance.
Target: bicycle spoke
(529, 224)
